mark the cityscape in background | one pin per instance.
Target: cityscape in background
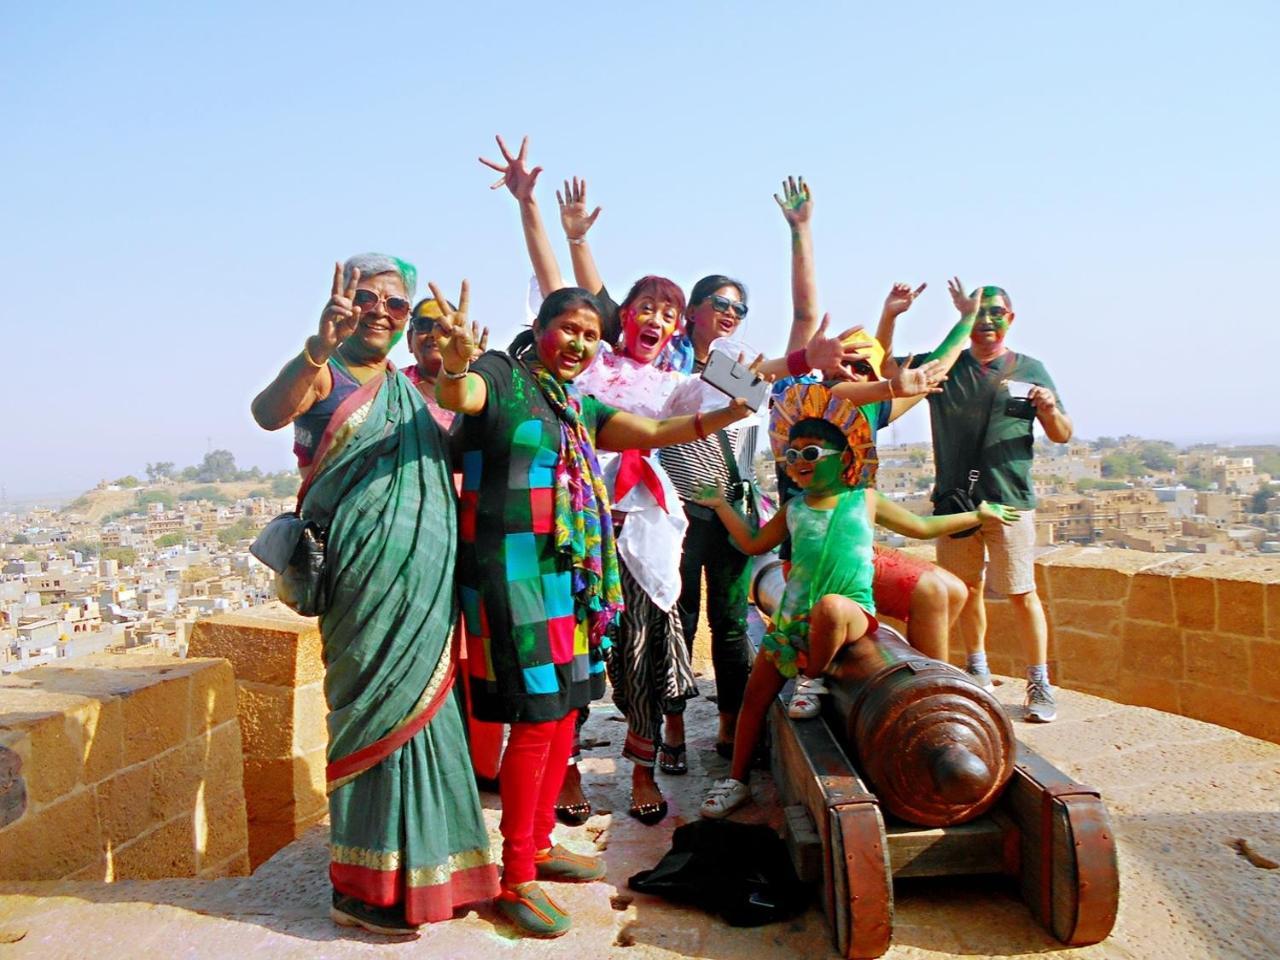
(132, 564)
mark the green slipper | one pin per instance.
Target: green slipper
(565, 866)
(530, 909)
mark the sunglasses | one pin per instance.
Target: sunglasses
(809, 454)
(420, 324)
(862, 366)
(993, 311)
(724, 305)
(397, 307)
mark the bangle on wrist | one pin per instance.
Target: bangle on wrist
(306, 355)
(698, 428)
(576, 241)
(797, 363)
(892, 395)
(460, 375)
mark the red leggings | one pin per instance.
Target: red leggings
(529, 781)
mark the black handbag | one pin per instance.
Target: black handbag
(961, 499)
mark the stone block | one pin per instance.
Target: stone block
(310, 731)
(124, 804)
(1155, 692)
(1099, 618)
(177, 776)
(1152, 651)
(1086, 658)
(277, 790)
(53, 842)
(237, 865)
(266, 838)
(103, 740)
(1249, 714)
(1264, 668)
(98, 872)
(156, 716)
(1272, 591)
(1151, 598)
(266, 720)
(213, 696)
(167, 851)
(271, 645)
(56, 744)
(221, 826)
(1217, 660)
(1194, 600)
(1094, 573)
(1241, 607)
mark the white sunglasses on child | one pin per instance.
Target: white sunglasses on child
(810, 454)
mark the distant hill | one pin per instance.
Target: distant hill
(97, 504)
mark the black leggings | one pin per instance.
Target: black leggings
(707, 547)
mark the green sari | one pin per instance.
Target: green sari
(405, 819)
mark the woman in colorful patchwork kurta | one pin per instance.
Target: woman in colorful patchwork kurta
(538, 568)
(408, 837)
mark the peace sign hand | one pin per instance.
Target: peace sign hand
(516, 177)
(796, 201)
(340, 315)
(573, 209)
(459, 340)
(901, 297)
(966, 304)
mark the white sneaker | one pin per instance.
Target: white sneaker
(805, 704)
(725, 796)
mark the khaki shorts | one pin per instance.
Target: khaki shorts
(1011, 548)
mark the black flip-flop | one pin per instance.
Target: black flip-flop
(574, 814)
(649, 813)
(673, 760)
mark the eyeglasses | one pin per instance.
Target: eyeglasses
(810, 454)
(419, 324)
(397, 307)
(862, 366)
(996, 312)
(723, 305)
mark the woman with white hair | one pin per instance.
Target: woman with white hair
(408, 841)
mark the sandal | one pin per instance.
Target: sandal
(649, 813)
(574, 814)
(673, 759)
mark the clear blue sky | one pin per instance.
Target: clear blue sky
(179, 178)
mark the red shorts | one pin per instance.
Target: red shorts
(896, 577)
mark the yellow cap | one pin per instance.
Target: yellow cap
(874, 353)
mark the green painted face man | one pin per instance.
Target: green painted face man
(995, 316)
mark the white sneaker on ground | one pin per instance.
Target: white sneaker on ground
(725, 797)
(804, 703)
(982, 677)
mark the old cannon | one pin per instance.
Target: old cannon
(913, 770)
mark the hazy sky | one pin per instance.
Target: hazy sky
(179, 178)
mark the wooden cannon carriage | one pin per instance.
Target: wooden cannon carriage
(913, 771)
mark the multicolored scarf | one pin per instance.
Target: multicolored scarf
(583, 523)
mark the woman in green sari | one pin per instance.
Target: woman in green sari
(408, 840)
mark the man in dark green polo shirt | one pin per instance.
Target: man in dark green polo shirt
(983, 420)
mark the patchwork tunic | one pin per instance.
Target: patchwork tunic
(528, 655)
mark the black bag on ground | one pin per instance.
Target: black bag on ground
(740, 871)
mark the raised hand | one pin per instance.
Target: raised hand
(340, 315)
(917, 381)
(573, 209)
(796, 201)
(460, 341)
(966, 304)
(516, 177)
(998, 511)
(829, 354)
(901, 297)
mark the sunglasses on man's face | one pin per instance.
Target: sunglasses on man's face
(397, 307)
(810, 454)
(423, 324)
(994, 312)
(723, 305)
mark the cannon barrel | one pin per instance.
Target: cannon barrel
(936, 748)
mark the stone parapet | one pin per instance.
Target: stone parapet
(121, 768)
(279, 679)
(1184, 633)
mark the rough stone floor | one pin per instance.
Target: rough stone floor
(1181, 794)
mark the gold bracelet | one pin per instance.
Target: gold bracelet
(892, 396)
(306, 355)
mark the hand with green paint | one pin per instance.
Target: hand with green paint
(711, 495)
(967, 305)
(796, 201)
(900, 298)
(459, 340)
(516, 177)
(573, 210)
(998, 511)
(340, 316)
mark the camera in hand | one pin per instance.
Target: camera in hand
(1019, 403)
